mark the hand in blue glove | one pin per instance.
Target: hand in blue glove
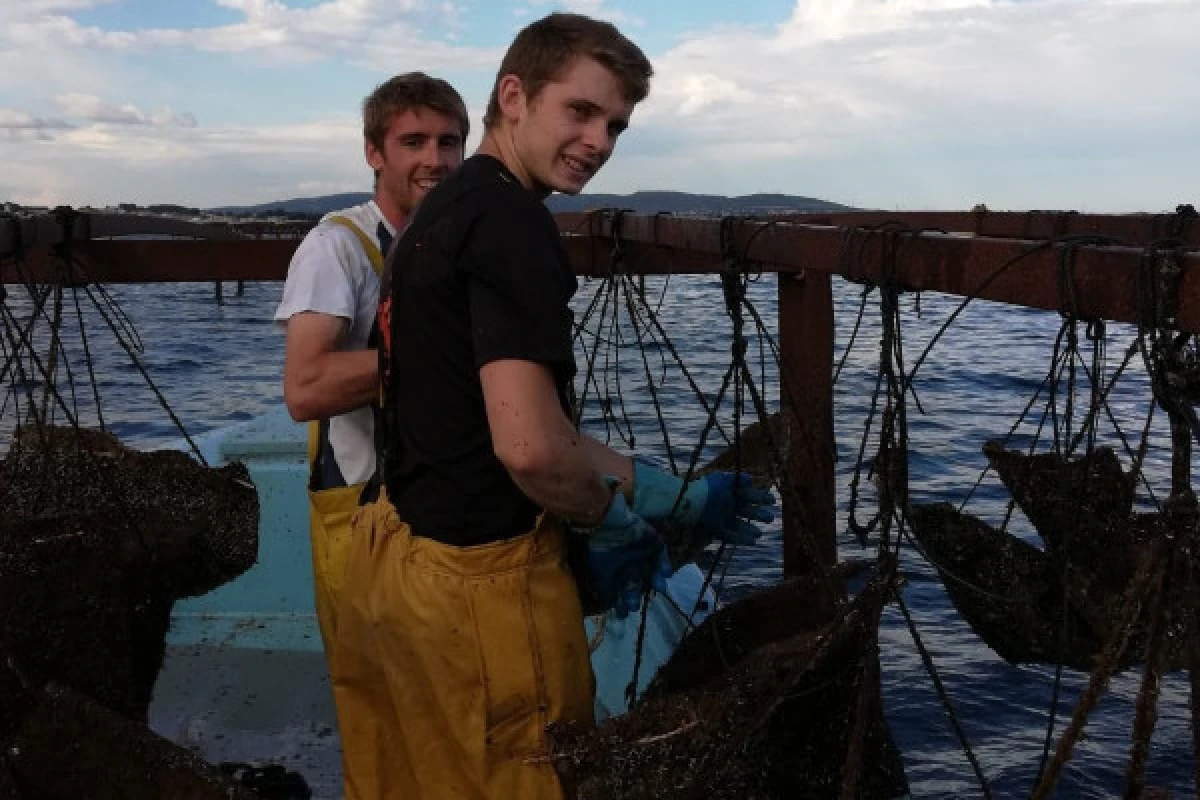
(626, 557)
(723, 505)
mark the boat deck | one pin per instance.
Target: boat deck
(244, 678)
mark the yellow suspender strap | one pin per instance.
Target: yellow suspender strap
(314, 440)
(374, 254)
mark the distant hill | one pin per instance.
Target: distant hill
(648, 202)
(687, 203)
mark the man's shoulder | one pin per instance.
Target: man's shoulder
(331, 244)
(483, 184)
(328, 241)
(365, 215)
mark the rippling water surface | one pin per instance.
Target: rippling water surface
(220, 365)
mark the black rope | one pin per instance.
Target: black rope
(88, 360)
(26, 344)
(944, 697)
(638, 651)
(662, 422)
(137, 363)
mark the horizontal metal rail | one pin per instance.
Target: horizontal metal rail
(1028, 272)
(1049, 261)
(1128, 229)
(21, 232)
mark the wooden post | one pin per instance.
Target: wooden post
(219, 293)
(241, 288)
(806, 386)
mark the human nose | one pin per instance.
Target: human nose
(431, 155)
(598, 138)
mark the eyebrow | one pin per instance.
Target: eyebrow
(590, 107)
(422, 136)
(585, 103)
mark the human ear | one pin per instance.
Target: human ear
(374, 157)
(510, 94)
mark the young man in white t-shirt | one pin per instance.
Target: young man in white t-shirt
(414, 131)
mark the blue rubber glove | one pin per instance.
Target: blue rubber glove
(626, 557)
(724, 505)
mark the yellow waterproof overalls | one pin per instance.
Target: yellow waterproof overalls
(331, 511)
(449, 662)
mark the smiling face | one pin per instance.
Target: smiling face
(421, 147)
(563, 135)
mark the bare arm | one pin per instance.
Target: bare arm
(559, 468)
(318, 380)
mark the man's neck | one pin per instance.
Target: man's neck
(497, 144)
(395, 216)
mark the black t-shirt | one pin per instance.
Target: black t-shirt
(480, 275)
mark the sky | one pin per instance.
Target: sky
(1092, 105)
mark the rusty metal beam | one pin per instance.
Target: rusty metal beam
(21, 233)
(1135, 229)
(1130, 229)
(181, 260)
(1014, 271)
(156, 261)
(1011, 271)
(806, 331)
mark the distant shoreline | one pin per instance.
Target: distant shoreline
(647, 201)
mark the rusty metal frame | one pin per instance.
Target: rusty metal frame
(1129, 229)
(1020, 271)
(1008, 257)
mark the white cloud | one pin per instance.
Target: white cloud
(33, 8)
(839, 19)
(933, 102)
(21, 126)
(1088, 104)
(93, 109)
(104, 163)
(600, 9)
(370, 32)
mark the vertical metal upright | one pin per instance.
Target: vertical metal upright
(806, 331)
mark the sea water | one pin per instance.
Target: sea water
(218, 365)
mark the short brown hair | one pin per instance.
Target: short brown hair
(543, 49)
(404, 93)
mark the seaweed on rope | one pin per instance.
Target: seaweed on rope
(20, 350)
(1067, 370)
(1151, 609)
(1075, 396)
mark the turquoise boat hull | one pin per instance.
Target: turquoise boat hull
(244, 677)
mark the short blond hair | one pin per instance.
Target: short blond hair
(544, 49)
(404, 93)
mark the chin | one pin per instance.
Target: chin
(570, 187)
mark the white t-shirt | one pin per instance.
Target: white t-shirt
(331, 274)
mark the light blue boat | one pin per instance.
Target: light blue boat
(244, 677)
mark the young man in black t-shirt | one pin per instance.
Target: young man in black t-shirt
(461, 631)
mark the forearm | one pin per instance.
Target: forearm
(332, 383)
(559, 468)
(610, 463)
(569, 479)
